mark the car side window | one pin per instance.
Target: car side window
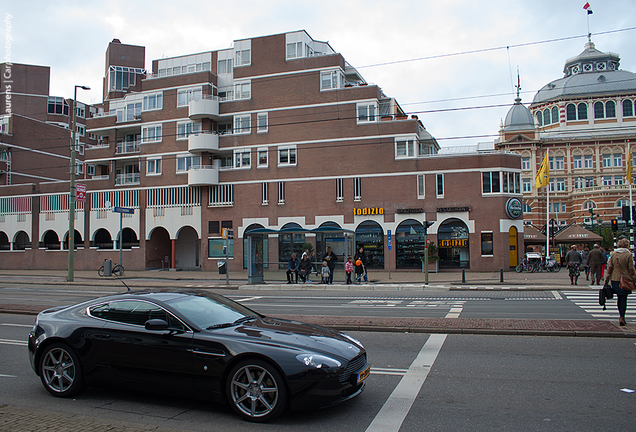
(134, 312)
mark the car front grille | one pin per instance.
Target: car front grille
(353, 366)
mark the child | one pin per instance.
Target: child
(349, 269)
(325, 273)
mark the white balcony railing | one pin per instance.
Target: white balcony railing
(203, 142)
(205, 107)
(125, 147)
(203, 175)
(127, 179)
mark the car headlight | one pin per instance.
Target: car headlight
(355, 341)
(317, 361)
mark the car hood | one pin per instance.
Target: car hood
(297, 335)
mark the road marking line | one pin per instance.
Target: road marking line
(17, 325)
(454, 312)
(388, 371)
(12, 342)
(249, 299)
(557, 295)
(7, 376)
(395, 409)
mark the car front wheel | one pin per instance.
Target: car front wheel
(256, 390)
(60, 371)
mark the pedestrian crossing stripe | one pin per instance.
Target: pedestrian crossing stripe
(588, 301)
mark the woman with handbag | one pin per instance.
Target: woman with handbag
(621, 272)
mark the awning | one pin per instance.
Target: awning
(577, 234)
(531, 235)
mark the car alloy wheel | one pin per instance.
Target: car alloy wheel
(60, 371)
(256, 390)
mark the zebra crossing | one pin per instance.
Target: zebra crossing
(588, 301)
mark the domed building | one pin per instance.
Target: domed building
(585, 120)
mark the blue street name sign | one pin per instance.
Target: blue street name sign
(123, 210)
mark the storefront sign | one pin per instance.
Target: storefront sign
(513, 208)
(368, 211)
(451, 243)
(410, 210)
(452, 209)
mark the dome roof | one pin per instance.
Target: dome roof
(590, 73)
(518, 117)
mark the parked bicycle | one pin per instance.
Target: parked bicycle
(527, 265)
(117, 270)
(550, 265)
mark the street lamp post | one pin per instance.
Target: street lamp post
(71, 215)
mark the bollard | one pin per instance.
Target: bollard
(463, 275)
(501, 277)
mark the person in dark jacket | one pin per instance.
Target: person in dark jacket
(595, 260)
(331, 259)
(292, 269)
(584, 255)
(573, 262)
(360, 260)
(304, 269)
(621, 263)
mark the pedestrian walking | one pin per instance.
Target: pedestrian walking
(596, 260)
(573, 262)
(585, 254)
(621, 263)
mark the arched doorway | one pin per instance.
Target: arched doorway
(452, 243)
(21, 241)
(4, 241)
(513, 256)
(77, 240)
(409, 244)
(51, 241)
(103, 239)
(158, 249)
(130, 238)
(370, 235)
(187, 249)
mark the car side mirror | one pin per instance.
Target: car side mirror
(156, 324)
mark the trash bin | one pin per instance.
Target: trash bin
(108, 267)
(222, 266)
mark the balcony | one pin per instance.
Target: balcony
(203, 175)
(206, 107)
(203, 142)
(128, 179)
(126, 147)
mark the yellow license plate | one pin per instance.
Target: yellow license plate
(364, 374)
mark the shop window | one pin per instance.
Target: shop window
(410, 244)
(215, 248)
(370, 236)
(486, 244)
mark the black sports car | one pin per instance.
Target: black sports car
(201, 344)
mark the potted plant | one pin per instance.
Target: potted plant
(432, 257)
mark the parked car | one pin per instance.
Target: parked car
(200, 344)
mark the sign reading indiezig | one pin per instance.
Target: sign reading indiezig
(450, 243)
(368, 211)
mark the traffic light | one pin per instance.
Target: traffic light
(614, 225)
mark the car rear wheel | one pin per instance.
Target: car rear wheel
(60, 371)
(256, 390)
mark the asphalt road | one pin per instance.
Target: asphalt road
(419, 382)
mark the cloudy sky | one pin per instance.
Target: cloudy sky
(451, 62)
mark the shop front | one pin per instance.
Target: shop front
(452, 243)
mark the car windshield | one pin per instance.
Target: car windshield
(208, 312)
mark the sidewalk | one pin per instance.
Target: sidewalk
(379, 281)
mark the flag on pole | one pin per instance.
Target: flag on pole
(543, 175)
(587, 7)
(629, 163)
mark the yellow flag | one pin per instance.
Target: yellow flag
(629, 163)
(543, 175)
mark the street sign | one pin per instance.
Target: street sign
(80, 192)
(388, 236)
(123, 210)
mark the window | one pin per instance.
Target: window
(80, 111)
(281, 192)
(331, 80)
(599, 110)
(286, 156)
(607, 161)
(546, 116)
(294, 50)
(628, 108)
(551, 185)
(242, 158)
(265, 193)
(589, 161)
(153, 102)
(526, 208)
(153, 166)
(589, 182)
(367, 112)
(491, 182)
(525, 163)
(339, 189)
(57, 105)
(261, 122)
(540, 118)
(607, 180)
(184, 96)
(224, 66)
(486, 243)
(216, 246)
(262, 157)
(404, 149)
(618, 180)
(243, 57)
(560, 185)
(440, 186)
(185, 162)
(243, 90)
(610, 109)
(122, 78)
(134, 312)
(581, 111)
(589, 205)
(185, 129)
(576, 112)
(151, 133)
(555, 114)
(577, 162)
(421, 191)
(357, 189)
(578, 182)
(527, 186)
(79, 128)
(242, 124)
(560, 164)
(221, 195)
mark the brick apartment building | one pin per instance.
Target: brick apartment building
(281, 141)
(585, 119)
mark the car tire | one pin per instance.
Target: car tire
(256, 390)
(61, 371)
